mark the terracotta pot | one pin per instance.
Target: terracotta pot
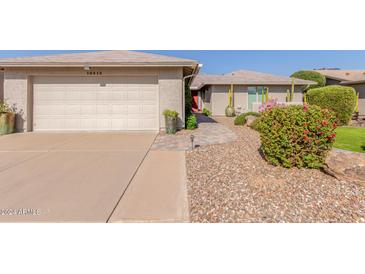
(171, 124)
(7, 122)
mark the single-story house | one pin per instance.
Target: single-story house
(352, 78)
(1, 85)
(104, 90)
(211, 91)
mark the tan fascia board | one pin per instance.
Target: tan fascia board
(248, 84)
(335, 78)
(198, 87)
(352, 82)
(12, 65)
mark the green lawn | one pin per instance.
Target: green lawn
(350, 138)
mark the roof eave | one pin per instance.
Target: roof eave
(104, 64)
(253, 84)
(335, 78)
(352, 82)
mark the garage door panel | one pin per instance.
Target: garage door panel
(96, 103)
(119, 109)
(134, 109)
(88, 123)
(43, 95)
(88, 96)
(119, 124)
(103, 124)
(72, 123)
(148, 96)
(147, 123)
(44, 110)
(88, 109)
(148, 109)
(134, 95)
(72, 109)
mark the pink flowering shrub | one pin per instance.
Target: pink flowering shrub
(298, 136)
(269, 105)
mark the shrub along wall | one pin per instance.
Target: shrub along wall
(296, 135)
(339, 99)
(241, 119)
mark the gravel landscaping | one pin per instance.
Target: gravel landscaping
(233, 183)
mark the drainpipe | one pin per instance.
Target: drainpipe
(196, 72)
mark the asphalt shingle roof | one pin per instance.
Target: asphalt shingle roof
(343, 75)
(245, 77)
(115, 57)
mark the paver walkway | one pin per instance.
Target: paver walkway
(208, 132)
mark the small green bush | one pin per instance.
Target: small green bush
(255, 124)
(339, 99)
(311, 76)
(207, 112)
(241, 119)
(296, 135)
(188, 102)
(191, 122)
(170, 113)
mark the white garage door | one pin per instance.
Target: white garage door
(95, 103)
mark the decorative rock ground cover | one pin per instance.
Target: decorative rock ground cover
(233, 183)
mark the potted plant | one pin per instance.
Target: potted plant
(230, 111)
(170, 121)
(7, 119)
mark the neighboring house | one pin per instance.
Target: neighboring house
(107, 90)
(1, 86)
(352, 78)
(211, 91)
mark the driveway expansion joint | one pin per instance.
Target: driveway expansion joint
(131, 179)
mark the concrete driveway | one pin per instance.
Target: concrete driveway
(67, 177)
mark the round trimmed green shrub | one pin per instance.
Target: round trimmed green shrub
(207, 112)
(297, 136)
(240, 120)
(191, 122)
(339, 99)
(311, 76)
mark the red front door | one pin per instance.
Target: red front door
(195, 107)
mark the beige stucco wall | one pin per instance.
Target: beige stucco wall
(18, 87)
(240, 98)
(171, 96)
(280, 92)
(208, 98)
(1, 86)
(219, 97)
(361, 89)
